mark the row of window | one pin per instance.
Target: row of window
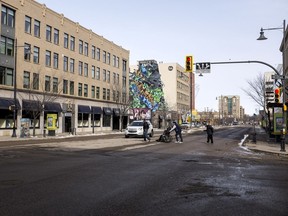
(69, 87)
(83, 47)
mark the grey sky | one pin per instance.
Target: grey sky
(222, 30)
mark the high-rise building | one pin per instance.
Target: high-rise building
(52, 65)
(229, 108)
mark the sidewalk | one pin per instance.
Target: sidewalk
(264, 144)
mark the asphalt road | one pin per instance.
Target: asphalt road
(192, 178)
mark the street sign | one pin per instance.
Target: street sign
(203, 67)
(276, 76)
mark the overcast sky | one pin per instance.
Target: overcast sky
(212, 31)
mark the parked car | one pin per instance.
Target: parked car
(136, 129)
(185, 125)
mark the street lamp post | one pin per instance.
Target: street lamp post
(262, 37)
(15, 107)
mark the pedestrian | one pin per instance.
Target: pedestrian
(145, 130)
(178, 132)
(209, 130)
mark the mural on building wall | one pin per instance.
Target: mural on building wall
(146, 86)
(140, 113)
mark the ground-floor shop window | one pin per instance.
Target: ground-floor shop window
(6, 119)
(97, 120)
(29, 115)
(106, 120)
(83, 120)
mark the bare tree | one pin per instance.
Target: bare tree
(122, 101)
(256, 90)
(39, 93)
(165, 112)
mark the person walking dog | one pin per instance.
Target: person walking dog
(210, 131)
(178, 132)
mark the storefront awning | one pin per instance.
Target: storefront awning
(31, 105)
(84, 109)
(96, 110)
(107, 111)
(116, 111)
(6, 102)
(52, 107)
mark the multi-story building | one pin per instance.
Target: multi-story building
(177, 85)
(49, 60)
(229, 108)
(179, 88)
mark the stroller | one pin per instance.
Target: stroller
(165, 137)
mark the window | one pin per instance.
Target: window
(114, 61)
(80, 68)
(104, 56)
(6, 76)
(106, 120)
(85, 69)
(65, 86)
(66, 39)
(27, 52)
(48, 33)
(93, 72)
(56, 36)
(124, 82)
(108, 77)
(93, 52)
(93, 91)
(108, 58)
(7, 16)
(104, 75)
(35, 81)
(86, 49)
(117, 62)
(114, 78)
(98, 73)
(108, 94)
(79, 89)
(55, 84)
(7, 46)
(47, 83)
(48, 58)
(85, 90)
(117, 78)
(55, 60)
(72, 65)
(65, 63)
(71, 87)
(36, 55)
(98, 92)
(36, 28)
(80, 47)
(124, 67)
(104, 93)
(98, 54)
(26, 80)
(28, 24)
(72, 43)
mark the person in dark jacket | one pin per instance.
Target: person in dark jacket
(210, 131)
(145, 130)
(178, 132)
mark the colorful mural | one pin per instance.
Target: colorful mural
(146, 86)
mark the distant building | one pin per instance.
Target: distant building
(229, 108)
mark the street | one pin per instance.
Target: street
(192, 178)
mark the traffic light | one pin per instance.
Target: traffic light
(277, 95)
(189, 64)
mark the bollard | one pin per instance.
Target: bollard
(44, 133)
(254, 138)
(283, 140)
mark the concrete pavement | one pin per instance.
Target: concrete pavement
(262, 144)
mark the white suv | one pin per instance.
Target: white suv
(136, 129)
